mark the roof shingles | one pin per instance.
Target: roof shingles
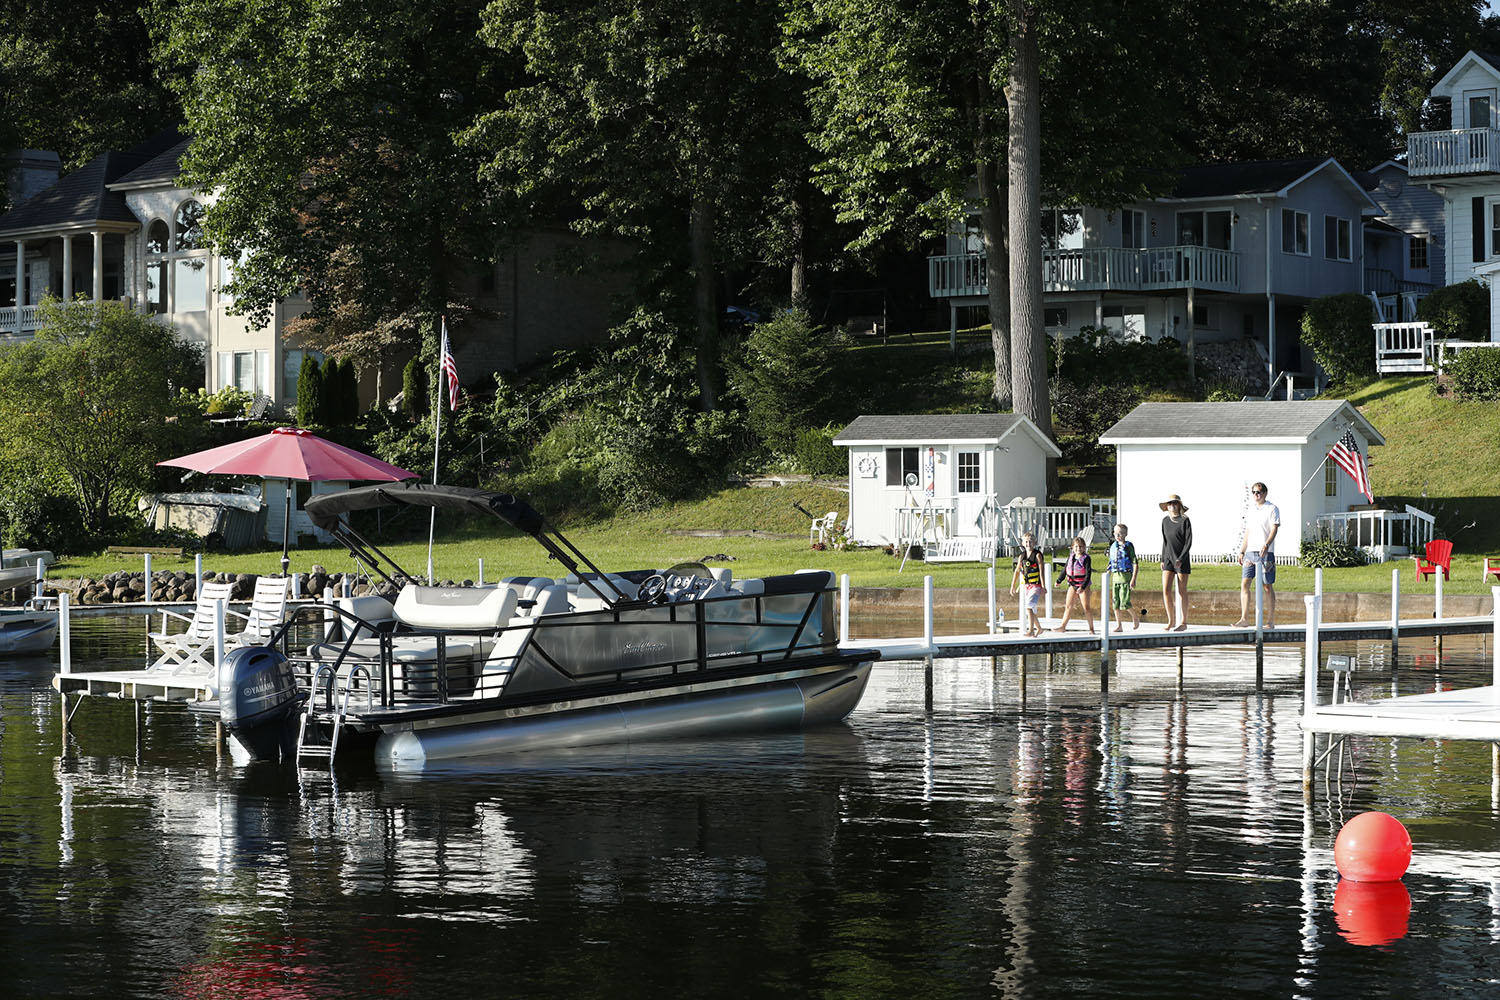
(1254, 420)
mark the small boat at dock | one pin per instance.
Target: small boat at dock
(536, 663)
(27, 630)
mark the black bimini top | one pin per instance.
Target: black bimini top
(326, 509)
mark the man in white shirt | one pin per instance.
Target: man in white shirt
(1261, 524)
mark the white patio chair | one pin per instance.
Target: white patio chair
(191, 650)
(267, 611)
(821, 527)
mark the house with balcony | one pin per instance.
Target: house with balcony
(122, 228)
(1461, 165)
(1405, 246)
(1236, 250)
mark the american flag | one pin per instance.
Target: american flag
(1345, 453)
(450, 370)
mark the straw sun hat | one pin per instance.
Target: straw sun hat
(1174, 498)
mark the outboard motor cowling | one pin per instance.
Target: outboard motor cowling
(258, 699)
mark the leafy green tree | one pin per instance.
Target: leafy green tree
(414, 389)
(784, 377)
(658, 123)
(89, 397)
(1458, 312)
(77, 77)
(310, 392)
(357, 192)
(1338, 329)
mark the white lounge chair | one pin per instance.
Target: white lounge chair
(191, 650)
(267, 612)
(822, 527)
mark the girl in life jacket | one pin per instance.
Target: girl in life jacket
(1079, 573)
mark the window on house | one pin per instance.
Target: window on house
(1337, 241)
(1054, 316)
(156, 237)
(1133, 229)
(1294, 232)
(973, 237)
(1204, 229)
(156, 286)
(191, 274)
(1062, 229)
(899, 462)
(1417, 254)
(291, 368)
(1330, 480)
(968, 472)
(1479, 112)
(189, 225)
(1203, 317)
(1495, 229)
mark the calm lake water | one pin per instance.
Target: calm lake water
(1053, 846)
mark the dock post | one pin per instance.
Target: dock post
(296, 586)
(1047, 586)
(480, 580)
(1437, 612)
(197, 572)
(990, 582)
(1179, 666)
(218, 638)
(64, 634)
(844, 608)
(1318, 582)
(41, 580)
(1495, 644)
(927, 684)
(1310, 687)
(147, 597)
(927, 617)
(1107, 578)
(1395, 611)
(1260, 623)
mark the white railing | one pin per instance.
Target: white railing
(28, 322)
(1457, 151)
(1097, 269)
(1054, 527)
(1403, 348)
(1381, 534)
(1443, 351)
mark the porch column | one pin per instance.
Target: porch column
(98, 265)
(67, 284)
(1190, 334)
(1270, 337)
(952, 327)
(20, 282)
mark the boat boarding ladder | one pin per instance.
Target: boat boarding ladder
(312, 746)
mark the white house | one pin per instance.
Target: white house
(1462, 164)
(1211, 453)
(121, 228)
(956, 468)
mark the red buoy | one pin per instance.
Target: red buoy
(1372, 847)
(1371, 913)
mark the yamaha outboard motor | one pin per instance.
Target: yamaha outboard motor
(258, 700)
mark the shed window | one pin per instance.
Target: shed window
(1294, 226)
(1330, 479)
(899, 462)
(968, 472)
(1418, 260)
(1337, 240)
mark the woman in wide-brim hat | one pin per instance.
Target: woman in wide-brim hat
(1176, 560)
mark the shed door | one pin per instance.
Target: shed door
(969, 494)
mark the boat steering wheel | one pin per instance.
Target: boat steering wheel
(653, 588)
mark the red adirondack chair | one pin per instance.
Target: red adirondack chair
(1437, 557)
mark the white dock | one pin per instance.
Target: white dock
(1470, 714)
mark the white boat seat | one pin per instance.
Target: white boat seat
(405, 649)
(472, 609)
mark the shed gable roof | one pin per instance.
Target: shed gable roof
(1290, 421)
(940, 428)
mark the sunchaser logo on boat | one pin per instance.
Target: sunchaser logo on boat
(644, 648)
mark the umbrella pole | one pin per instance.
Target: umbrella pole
(286, 527)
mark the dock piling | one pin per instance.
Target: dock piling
(1104, 609)
(927, 616)
(1260, 624)
(1437, 612)
(147, 598)
(1395, 611)
(1310, 685)
(197, 572)
(480, 579)
(844, 607)
(64, 634)
(990, 583)
(1495, 645)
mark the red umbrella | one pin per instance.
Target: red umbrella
(289, 453)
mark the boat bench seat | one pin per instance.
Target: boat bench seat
(464, 609)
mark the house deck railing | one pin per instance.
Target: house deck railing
(8, 324)
(1381, 534)
(1453, 152)
(1097, 269)
(1413, 349)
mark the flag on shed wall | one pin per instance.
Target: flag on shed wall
(450, 370)
(1345, 454)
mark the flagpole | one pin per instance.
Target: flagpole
(1326, 455)
(437, 436)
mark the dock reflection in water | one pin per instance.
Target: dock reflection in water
(1152, 844)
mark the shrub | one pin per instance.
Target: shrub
(1326, 551)
(1339, 330)
(414, 389)
(310, 392)
(1458, 312)
(1475, 373)
(783, 376)
(816, 453)
(1094, 355)
(1088, 410)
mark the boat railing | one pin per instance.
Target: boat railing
(727, 632)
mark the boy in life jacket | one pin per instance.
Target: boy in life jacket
(1122, 564)
(1028, 577)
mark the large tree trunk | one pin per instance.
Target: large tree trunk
(799, 253)
(1028, 342)
(992, 219)
(702, 249)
